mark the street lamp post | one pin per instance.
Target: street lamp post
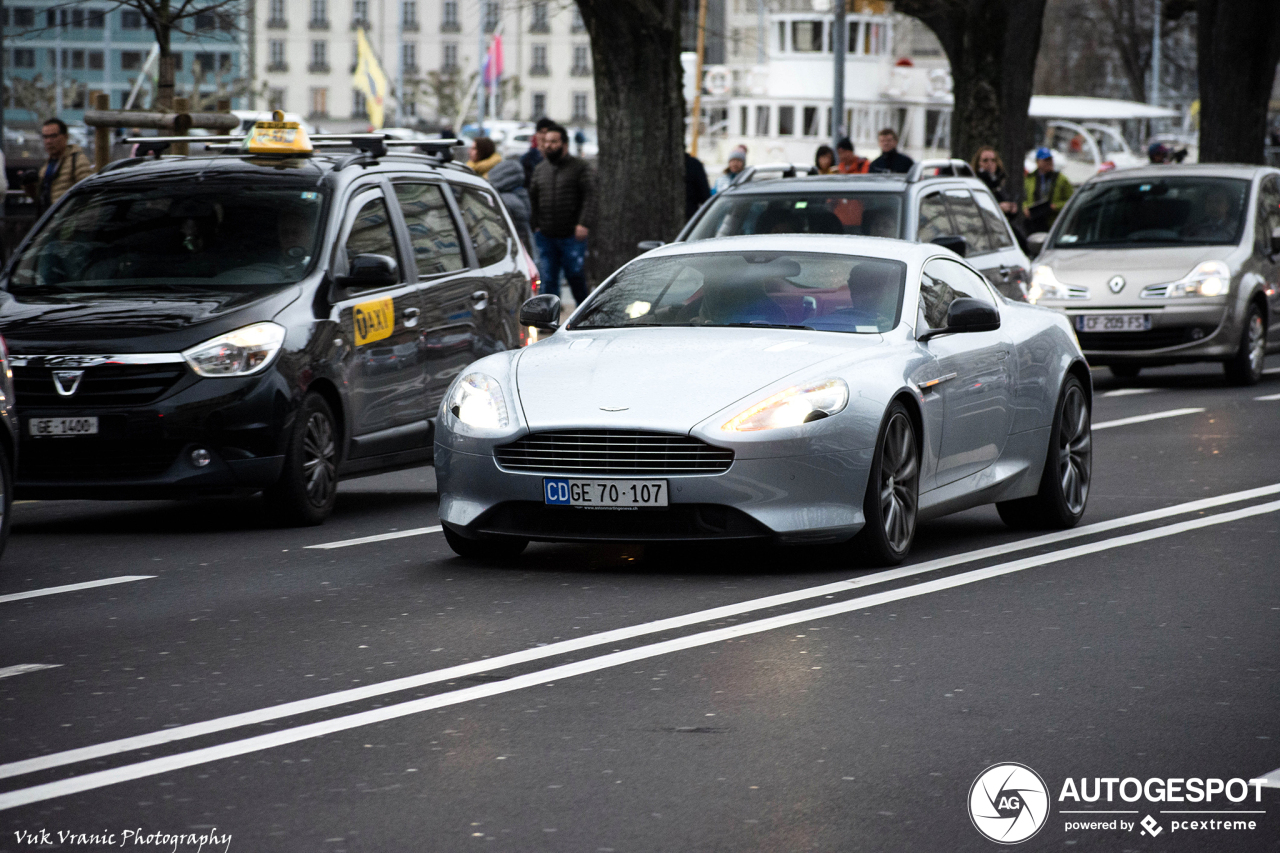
(837, 97)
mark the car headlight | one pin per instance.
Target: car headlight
(237, 353)
(1211, 278)
(477, 401)
(1045, 285)
(792, 407)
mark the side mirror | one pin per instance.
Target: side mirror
(370, 271)
(1035, 243)
(541, 312)
(649, 245)
(954, 242)
(967, 315)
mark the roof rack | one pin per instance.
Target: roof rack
(374, 144)
(784, 170)
(940, 168)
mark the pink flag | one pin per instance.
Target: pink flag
(493, 61)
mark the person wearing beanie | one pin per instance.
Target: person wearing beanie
(737, 162)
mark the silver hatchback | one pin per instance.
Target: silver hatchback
(1169, 264)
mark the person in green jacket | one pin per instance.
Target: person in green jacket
(1047, 191)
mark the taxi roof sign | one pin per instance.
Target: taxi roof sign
(277, 137)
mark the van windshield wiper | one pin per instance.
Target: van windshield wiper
(764, 326)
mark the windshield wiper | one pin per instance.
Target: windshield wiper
(763, 326)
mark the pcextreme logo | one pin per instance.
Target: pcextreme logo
(1008, 803)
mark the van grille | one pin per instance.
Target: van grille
(102, 385)
(611, 451)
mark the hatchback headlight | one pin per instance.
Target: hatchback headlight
(792, 407)
(1211, 278)
(477, 401)
(1045, 285)
(239, 353)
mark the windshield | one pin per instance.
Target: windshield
(1164, 212)
(176, 233)
(873, 214)
(835, 293)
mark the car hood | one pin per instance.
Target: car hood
(132, 320)
(1093, 268)
(666, 379)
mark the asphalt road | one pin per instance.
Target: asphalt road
(386, 696)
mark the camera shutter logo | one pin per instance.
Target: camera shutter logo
(1116, 283)
(1008, 803)
(67, 382)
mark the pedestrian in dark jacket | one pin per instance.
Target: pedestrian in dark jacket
(531, 158)
(989, 168)
(508, 179)
(696, 188)
(890, 159)
(563, 193)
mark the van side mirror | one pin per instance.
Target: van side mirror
(1035, 243)
(954, 242)
(370, 271)
(541, 312)
(966, 314)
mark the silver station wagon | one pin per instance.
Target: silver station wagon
(1169, 264)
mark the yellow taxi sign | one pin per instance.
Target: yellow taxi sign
(277, 137)
(374, 320)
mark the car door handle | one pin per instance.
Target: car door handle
(480, 299)
(410, 316)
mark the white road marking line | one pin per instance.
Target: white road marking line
(156, 766)
(1271, 371)
(20, 669)
(1271, 780)
(1269, 397)
(317, 703)
(72, 587)
(1129, 392)
(381, 537)
(1156, 416)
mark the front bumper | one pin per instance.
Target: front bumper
(1179, 333)
(799, 499)
(144, 451)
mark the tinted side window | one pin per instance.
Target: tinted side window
(371, 232)
(934, 221)
(997, 225)
(942, 282)
(1268, 212)
(483, 219)
(436, 247)
(969, 220)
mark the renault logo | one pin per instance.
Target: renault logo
(67, 382)
(1116, 284)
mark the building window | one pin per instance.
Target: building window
(96, 60)
(540, 23)
(492, 11)
(580, 107)
(806, 36)
(581, 62)
(449, 17)
(203, 63)
(578, 25)
(275, 98)
(177, 61)
(130, 60)
(276, 51)
(319, 102)
(130, 20)
(77, 19)
(24, 17)
(319, 15)
(409, 58)
(97, 19)
(24, 57)
(786, 121)
(762, 121)
(449, 61)
(409, 15)
(539, 105)
(360, 14)
(359, 109)
(77, 59)
(206, 21)
(319, 57)
(811, 121)
(539, 66)
(275, 15)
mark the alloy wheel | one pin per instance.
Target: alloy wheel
(1075, 449)
(319, 465)
(899, 472)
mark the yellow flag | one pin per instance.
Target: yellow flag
(369, 79)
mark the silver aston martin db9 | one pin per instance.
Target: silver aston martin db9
(794, 388)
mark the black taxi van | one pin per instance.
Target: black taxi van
(274, 318)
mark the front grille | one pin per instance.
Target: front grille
(102, 385)
(76, 460)
(613, 451)
(1165, 336)
(678, 522)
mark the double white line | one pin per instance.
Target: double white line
(102, 778)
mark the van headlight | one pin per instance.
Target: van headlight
(239, 353)
(1211, 278)
(792, 407)
(477, 401)
(1045, 285)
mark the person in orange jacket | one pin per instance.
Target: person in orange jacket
(848, 163)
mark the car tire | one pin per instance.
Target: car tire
(893, 492)
(1068, 467)
(1245, 367)
(6, 499)
(1125, 371)
(308, 486)
(485, 549)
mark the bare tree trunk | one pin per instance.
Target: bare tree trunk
(157, 16)
(635, 48)
(992, 47)
(1239, 46)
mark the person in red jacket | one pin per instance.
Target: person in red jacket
(848, 163)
